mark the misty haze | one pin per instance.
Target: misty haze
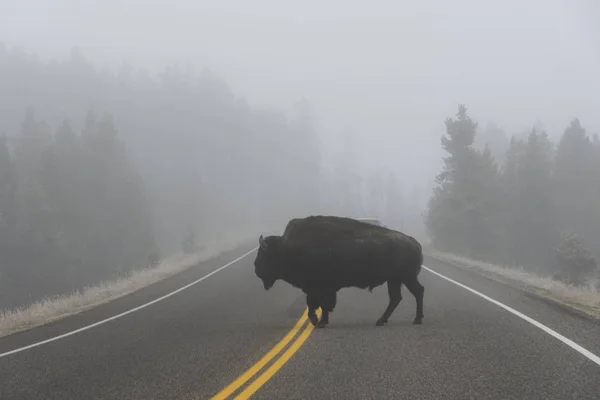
(144, 144)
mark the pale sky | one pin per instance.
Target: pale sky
(391, 70)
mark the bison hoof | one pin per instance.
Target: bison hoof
(380, 322)
(321, 324)
(417, 321)
(313, 319)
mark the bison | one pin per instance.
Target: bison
(322, 254)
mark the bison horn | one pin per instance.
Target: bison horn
(262, 243)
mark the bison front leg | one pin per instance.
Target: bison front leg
(328, 301)
(313, 301)
(395, 294)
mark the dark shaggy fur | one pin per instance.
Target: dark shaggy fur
(322, 254)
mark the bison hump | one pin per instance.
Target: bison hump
(325, 230)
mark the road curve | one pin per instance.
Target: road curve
(197, 342)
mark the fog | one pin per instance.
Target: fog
(241, 114)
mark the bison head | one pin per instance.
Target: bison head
(265, 264)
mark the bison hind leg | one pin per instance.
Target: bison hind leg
(417, 290)
(395, 294)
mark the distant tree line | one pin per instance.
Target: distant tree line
(103, 172)
(538, 207)
(142, 167)
(71, 205)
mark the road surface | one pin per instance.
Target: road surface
(198, 341)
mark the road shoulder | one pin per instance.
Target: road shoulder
(581, 329)
(121, 304)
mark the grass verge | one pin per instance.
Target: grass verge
(582, 299)
(57, 307)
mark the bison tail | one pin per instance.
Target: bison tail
(419, 262)
(419, 258)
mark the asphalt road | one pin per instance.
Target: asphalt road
(196, 342)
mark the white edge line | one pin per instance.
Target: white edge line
(85, 328)
(532, 321)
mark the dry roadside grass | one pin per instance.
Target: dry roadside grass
(584, 299)
(58, 307)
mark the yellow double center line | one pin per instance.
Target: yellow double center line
(269, 372)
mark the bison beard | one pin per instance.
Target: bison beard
(322, 254)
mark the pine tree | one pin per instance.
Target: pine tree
(574, 157)
(485, 236)
(121, 233)
(534, 207)
(494, 137)
(509, 187)
(576, 170)
(8, 189)
(34, 215)
(61, 182)
(8, 205)
(463, 212)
